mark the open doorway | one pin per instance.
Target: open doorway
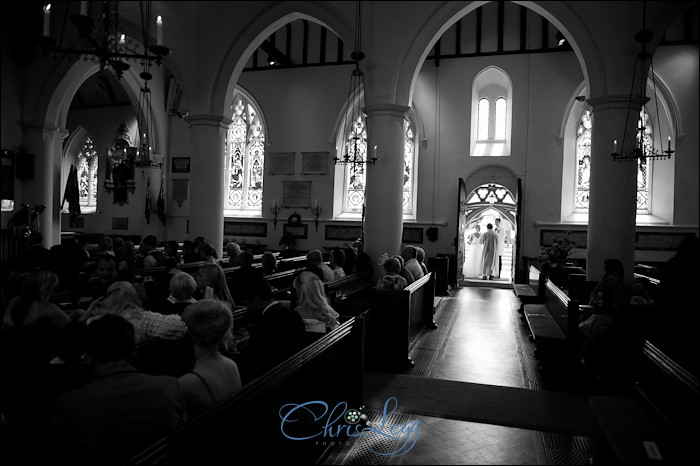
(493, 204)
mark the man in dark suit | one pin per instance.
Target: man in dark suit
(122, 411)
(276, 334)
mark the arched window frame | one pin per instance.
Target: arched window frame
(350, 184)
(491, 129)
(244, 149)
(583, 162)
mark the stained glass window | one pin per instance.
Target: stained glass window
(583, 165)
(583, 160)
(354, 195)
(87, 176)
(245, 157)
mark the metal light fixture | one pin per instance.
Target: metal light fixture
(144, 157)
(355, 149)
(102, 40)
(644, 148)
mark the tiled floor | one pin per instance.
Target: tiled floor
(480, 339)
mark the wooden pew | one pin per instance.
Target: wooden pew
(657, 424)
(349, 295)
(396, 318)
(531, 292)
(554, 324)
(251, 419)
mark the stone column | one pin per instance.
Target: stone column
(613, 191)
(384, 190)
(46, 143)
(207, 178)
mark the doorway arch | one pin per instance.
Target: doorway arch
(483, 205)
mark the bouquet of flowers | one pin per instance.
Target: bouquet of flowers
(558, 251)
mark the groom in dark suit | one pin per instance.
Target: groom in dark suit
(276, 333)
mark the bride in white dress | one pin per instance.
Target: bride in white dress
(472, 261)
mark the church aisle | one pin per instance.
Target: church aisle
(479, 339)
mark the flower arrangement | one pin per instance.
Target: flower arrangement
(558, 252)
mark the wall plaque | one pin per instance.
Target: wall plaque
(296, 194)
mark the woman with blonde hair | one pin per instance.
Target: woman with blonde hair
(33, 305)
(123, 300)
(211, 281)
(313, 306)
(214, 377)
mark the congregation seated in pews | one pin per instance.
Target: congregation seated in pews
(272, 321)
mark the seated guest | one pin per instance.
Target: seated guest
(126, 261)
(363, 263)
(233, 250)
(117, 245)
(615, 293)
(96, 286)
(105, 245)
(276, 333)
(420, 257)
(314, 263)
(350, 255)
(314, 309)
(391, 279)
(315, 259)
(182, 287)
(409, 255)
(246, 269)
(123, 300)
(33, 304)
(172, 249)
(404, 272)
(207, 253)
(336, 263)
(242, 275)
(122, 411)
(214, 377)
(211, 283)
(198, 242)
(189, 252)
(152, 257)
(269, 263)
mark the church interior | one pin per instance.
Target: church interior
(285, 127)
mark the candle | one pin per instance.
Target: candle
(317, 203)
(669, 144)
(274, 203)
(159, 30)
(47, 17)
(615, 146)
(83, 8)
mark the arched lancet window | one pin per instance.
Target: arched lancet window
(643, 166)
(245, 157)
(87, 176)
(483, 125)
(492, 94)
(354, 176)
(583, 162)
(500, 131)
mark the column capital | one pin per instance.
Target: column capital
(617, 102)
(208, 120)
(386, 109)
(36, 126)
